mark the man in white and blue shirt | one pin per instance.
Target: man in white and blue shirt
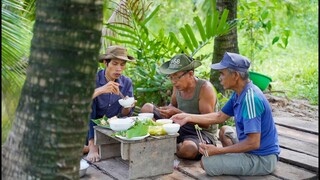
(254, 148)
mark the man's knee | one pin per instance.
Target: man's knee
(228, 136)
(147, 108)
(188, 150)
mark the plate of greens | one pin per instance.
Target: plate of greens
(102, 122)
(136, 132)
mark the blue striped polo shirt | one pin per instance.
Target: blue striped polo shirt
(252, 114)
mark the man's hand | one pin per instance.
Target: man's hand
(211, 149)
(110, 87)
(168, 111)
(181, 118)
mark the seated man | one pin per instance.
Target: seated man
(109, 83)
(254, 148)
(191, 95)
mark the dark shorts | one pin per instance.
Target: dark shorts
(193, 137)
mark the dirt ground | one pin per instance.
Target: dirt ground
(282, 106)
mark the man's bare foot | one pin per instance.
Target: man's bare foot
(93, 155)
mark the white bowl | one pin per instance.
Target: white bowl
(126, 102)
(144, 116)
(171, 129)
(164, 121)
(83, 167)
(121, 124)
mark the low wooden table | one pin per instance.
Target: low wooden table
(148, 157)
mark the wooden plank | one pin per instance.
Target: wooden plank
(287, 171)
(298, 146)
(303, 136)
(193, 169)
(266, 177)
(175, 175)
(298, 124)
(115, 168)
(93, 173)
(299, 159)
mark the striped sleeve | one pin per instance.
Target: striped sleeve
(252, 105)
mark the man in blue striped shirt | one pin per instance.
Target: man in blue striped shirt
(253, 149)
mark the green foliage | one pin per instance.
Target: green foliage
(294, 69)
(15, 42)
(152, 49)
(256, 21)
(296, 73)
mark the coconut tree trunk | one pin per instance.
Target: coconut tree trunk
(228, 42)
(51, 119)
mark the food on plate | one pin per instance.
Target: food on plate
(103, 122)
(156, 130)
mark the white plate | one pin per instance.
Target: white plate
(133, 138)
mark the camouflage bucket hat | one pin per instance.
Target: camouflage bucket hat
(180, 62)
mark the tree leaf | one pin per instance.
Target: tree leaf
(200, 27)
(186, 38)
(275, 39)
(223, 21)
(191, 35)
(151, 15)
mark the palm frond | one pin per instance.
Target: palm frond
(15, 42)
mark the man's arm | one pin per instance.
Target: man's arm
(207, 101)
(210, 118)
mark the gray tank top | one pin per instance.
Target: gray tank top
(192, 106)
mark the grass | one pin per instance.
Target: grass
(293, 70)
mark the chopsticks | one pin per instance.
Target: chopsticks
(120, 94)
(198, 130)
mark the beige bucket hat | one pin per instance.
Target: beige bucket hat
(118, 52)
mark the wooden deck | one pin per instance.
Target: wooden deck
(299, 158)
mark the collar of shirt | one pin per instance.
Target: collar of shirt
(237, 99)
(103, 80)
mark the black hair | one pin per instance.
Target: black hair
(107, 61)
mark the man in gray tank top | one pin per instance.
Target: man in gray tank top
(190, 95)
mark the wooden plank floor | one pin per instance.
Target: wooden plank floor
(299, 158)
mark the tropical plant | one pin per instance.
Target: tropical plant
(15, 42)
(152, 49)
(255, 19)
(51, 120)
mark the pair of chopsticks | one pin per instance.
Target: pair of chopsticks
(120, 94)
(198, 130)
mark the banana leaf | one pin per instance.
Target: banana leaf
(98, 122)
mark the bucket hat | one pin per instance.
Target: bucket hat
(232, 61)
(117, 52)
(180, 62)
